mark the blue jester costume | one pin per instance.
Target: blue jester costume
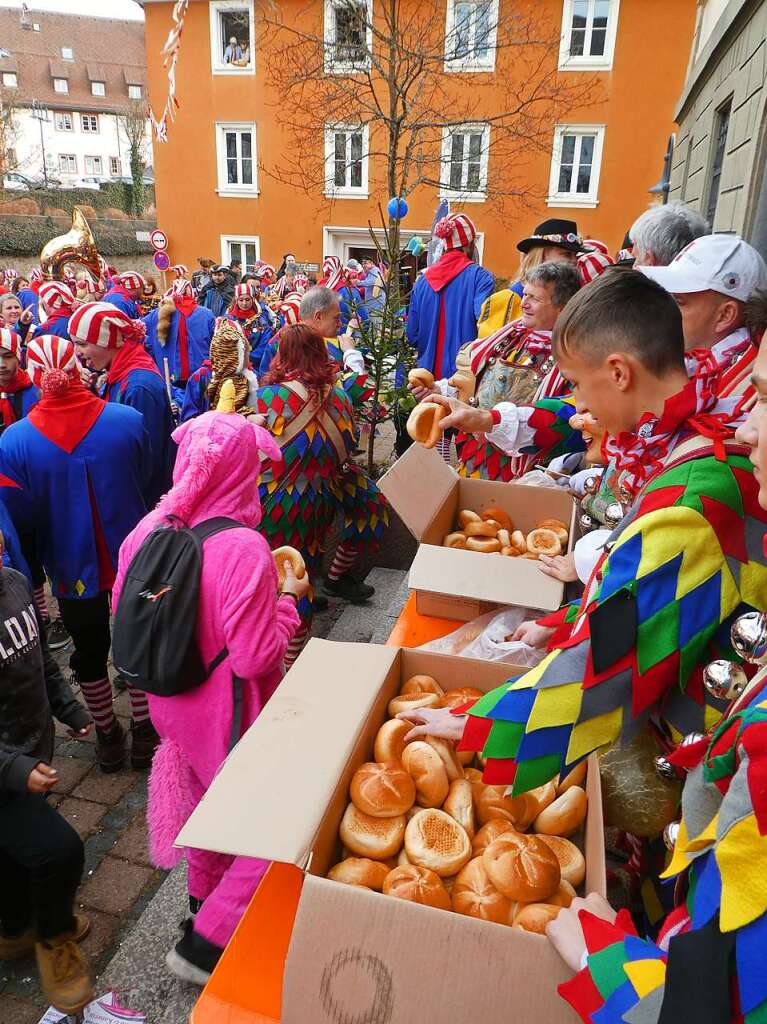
(256, 324)
(180, 331)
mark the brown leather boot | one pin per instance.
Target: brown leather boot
(24, 945)
(110, 748)
(64, 976)
(144, 741)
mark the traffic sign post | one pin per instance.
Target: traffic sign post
(158, 239)
(161, 260)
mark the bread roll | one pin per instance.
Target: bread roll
(518, 541)
(564, 895)
(460, 805)
(544, 542)
(360, 871)
(390, 740)
(474, 895)
(423, 424)
(481, 529)
(454, 540)
(488, 834)
(544, 795)
(571, 861)
(382, 790)
(505, 538)
(474, 775)
(558, 527)
(519, 810)
(535, 916)
(421, 378)
(462, 695)
(288, 554)
(522, 867)
(435, 840)
(425, 767)
(422, 684)
(417, 884)
(467, 516)
(411, 702)
(499, 516)
(446, 751)
(565, 815)
(365, 836)
(484, 545)
(577, 776)
(465, 757)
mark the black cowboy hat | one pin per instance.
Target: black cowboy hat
(562, 233)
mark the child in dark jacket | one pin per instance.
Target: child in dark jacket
(41, 855)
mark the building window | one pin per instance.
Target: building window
(64, 122)
(464, 162)
(67, 163)
(98, 89)
(90, 122)
(721, 127)
(10, 80)
(93, 165)
(243, 248)
(67, 53)
(60, 85)
(232, 37)
(346, 161)
(114, 166)
(134, 92)
(236, 149)
(470, 35)
(348, 35)
(575, 165)
(589, 28)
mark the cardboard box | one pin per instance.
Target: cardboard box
(427, 495)
(350, 954)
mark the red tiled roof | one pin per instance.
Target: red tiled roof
(95, 42)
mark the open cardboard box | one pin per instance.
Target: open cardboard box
(309, 950)
(427, 495)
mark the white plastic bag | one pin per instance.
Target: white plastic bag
(484, 639)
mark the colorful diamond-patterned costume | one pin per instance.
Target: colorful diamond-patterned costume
(685, 561)
(709, 964)
(352, 378)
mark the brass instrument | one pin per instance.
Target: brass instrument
(77, 246)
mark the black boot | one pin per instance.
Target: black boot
(193, 958)
(349, 589)
(143, 744)
(110, 748)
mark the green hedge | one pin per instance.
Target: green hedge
(117, 194)
(25, 236)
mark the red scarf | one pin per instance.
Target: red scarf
(20, 382)
(243, 314)
(186, 305)
(132, 356)
(66, 419)
(447, 267)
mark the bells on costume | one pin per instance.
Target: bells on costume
(586, 522)
(724, 679)
(665, 769)
(613, 514)
(671, 834)
(634, 798)
(749, 637)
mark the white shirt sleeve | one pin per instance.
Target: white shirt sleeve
(513, 432)
(353, 361)
(443, 388)
(587, 552)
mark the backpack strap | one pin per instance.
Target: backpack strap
(210, 527)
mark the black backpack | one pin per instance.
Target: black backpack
(153, 642)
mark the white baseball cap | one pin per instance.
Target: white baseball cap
(717, 263)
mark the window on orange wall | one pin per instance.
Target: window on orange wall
(346, 161)
(471, 31)
(465, 157)
(348, 35)
(576, 165)
(232, 37)
(236, 152)
(589, 31)
(241, 248)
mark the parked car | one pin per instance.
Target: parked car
(89, 181)
(16, 181)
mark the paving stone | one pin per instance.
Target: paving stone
(133, 844)
(99, 939)
(115, 885)
(106, 789)
(72, 770)
(82, 815)
(18, 1011)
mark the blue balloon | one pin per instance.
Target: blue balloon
(397, 208)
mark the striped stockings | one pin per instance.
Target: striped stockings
(139, 705)
(296, 645)
(98, 697)
(343, 560)
(40, 603)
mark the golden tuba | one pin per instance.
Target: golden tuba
(77, 246)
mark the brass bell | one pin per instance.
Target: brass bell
(724, 679)
(665, 768)
(671, 834)
(749, 637)
(591, 485)
(614, 513)
(586, 522)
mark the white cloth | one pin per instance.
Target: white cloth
(353, 361)
(514, 431)
(587, 552)
(443, 388)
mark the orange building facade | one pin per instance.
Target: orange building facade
(595, 162)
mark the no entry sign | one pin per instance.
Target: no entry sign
(159, 239)
(161, 260)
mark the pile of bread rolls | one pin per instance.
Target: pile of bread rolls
(422, 826)
(492, 532)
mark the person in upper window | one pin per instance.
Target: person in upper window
(233, 51)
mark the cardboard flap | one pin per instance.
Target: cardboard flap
(360, 956)
(417, 484)
(270, 796)
(505, 581)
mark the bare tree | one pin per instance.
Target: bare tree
(133, 124)
(8, 132)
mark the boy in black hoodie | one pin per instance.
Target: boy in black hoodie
(41, 855)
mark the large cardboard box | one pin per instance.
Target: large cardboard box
(427, 495)
(349, 954)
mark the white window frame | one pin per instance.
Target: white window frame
(57, 82)
(346, 191)
(67, 157)
(67, 53)
(238, 240)
(112, 161)
(332, 66)
(134, 92)
(86, 119)
(93, 173)
(445, 191)
(63, 115)
(587, 62)
(98, 89)
(10, 84)
(224, 188)
(216, 8)
(576, 199)
(463, 65)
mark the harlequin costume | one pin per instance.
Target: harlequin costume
(709, 963)
(19, 395)
(228, 361)
(74, 470)
(132, 379)
(256, 323)
(119, 296)
(447, 298)
(179, 331)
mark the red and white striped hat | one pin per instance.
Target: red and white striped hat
(86, 286)
(592, 264)
(265, 270)
(180, 269)
(456, 231)
(242, 290)
(300, 283)
(11, 274)
(102, 324)
(289, 308)
(180, 288)
(56, 295)
(594, 245)
(48, 352)
(10, 341)
(36, 275)
(130, 279)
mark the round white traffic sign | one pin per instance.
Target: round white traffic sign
(159, 239)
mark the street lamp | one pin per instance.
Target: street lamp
(663, 187)
(40, 113)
